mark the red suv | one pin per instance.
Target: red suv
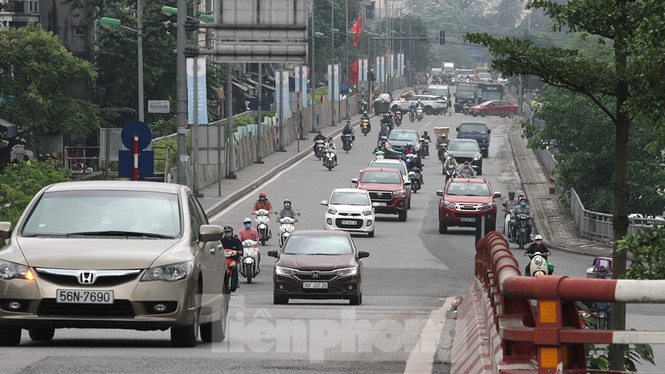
(463, 201)
(387, 190)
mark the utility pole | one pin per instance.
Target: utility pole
(331, 81)
(181, 101)
(347, 71)
(259, 114)
(313, 73)
(139, 32)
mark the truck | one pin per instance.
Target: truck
(466, 93)
(448, 68)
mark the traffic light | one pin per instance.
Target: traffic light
(442, 37)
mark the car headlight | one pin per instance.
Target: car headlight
(448, 204)
(11, 270)
(332, 210)
(484, 140)
(169, 273)
(400, 193)
(477, 158)
(346, 272)
(280, 270)
(367, 212)
(486, 206)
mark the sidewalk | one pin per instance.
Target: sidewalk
(251, 177)
(552, 220)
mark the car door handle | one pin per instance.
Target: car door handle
(213, 250)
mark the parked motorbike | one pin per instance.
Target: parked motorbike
(521, 237)
(262, 219)
(538, 265)
(364, 127)
(419, 114)
(286, 227)
(424, 147)
(250, 260)
(451, 172)
(319, 146)
(415, 177)
(329, 159)
(347, 142)
(230, 256)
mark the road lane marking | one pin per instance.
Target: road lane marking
(421, 359)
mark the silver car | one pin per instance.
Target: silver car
(113, 254)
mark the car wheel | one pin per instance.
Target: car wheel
(356, 300)
(215, 332)
(474, 114)
(443, 228)
(10, 336)
(42, 334)
(485, 153)
(402, 216)
(278, 299)
(511, 114)
(408, 203)
(429, 110)
(483, 113)
(186, 336)
(370, 234)
(480, 170)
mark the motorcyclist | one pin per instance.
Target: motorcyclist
(365, 116)
(509, 203)
(318, 136)
(288, 210)
(348, 129)
(450, 160)
(466, 171)
(330, 146)
(426, 136)
(232, 242)
(538, 246)
(386, 118)
(262, 203)
(248, 233)
(419, 104)
(412, 110)
(409, 150)
(522, 208)
(380, 147)
(398, 115)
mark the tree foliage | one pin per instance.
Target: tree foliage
(648, 249)
(51, 87)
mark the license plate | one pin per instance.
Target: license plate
(381, 204)
(315, 285)
(84, 297)
(466, 219)
(348, 222)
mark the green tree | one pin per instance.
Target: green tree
(51, 87)
(615, 22)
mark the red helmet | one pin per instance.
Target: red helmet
(262, 194)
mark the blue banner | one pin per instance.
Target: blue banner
(201, 94)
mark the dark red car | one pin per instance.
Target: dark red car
(494, 108)
(464, 201)
(387, 190)
(318, 264)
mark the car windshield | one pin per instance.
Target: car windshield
(397, 166)
(441, 92)
(108, 213)
(462, 146)
(484, 75)
(486, 103)
(468, 189)
(474, 128)
(465, 94)
(349, 198)
(403, 135)
(318, 245)
(381, 177)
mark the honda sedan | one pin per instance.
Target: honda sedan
(318, 264)
(113, 254)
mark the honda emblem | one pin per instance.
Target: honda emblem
(87, 277)
(315, 274)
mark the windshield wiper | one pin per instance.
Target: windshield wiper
(120, 233)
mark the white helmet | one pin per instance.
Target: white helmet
(538, 237)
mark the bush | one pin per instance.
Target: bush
(19, 184)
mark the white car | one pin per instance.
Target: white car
(349, 209)
(432, 104)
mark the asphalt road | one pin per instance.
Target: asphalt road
(410, 274)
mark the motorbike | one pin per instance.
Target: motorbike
(230, 256)
(364, 127)
(250, 260)
(466, 109)
(262, 219)
(286, 227)
(450, 172)
(398, 120)
(412, 116)
(410, 161)
(347, 142)
(538, 265)
(329, 159)
(424, 147)
(521, 221)
(384, 131)
(507, 224)
(414, 176)
(419, 114)
(319, 146)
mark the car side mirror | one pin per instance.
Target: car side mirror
(497, 195)
(210, 233)
(489, 131)
(5, 230)
(273, 253)
(363, 254)
(439, 192)
(354, 180)
(457, 128)
(324, 202)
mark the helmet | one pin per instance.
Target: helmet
(287, 203)
(538, 237)
(262, 194)
(409, 145)
(365, 112)
(522, 198)
(228, 231)
(425, 132)
(247, 220)
(511, 194)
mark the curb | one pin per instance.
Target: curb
(229, 199)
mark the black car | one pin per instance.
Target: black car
(399, 138)
(466, 150)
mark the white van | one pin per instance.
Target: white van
(440, 90)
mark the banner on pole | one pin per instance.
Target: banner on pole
(201, 94)
(336, 79)
(286, 108)
(330, 82)
(303, 88)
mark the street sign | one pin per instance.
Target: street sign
(158, 106)
(344, 88)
